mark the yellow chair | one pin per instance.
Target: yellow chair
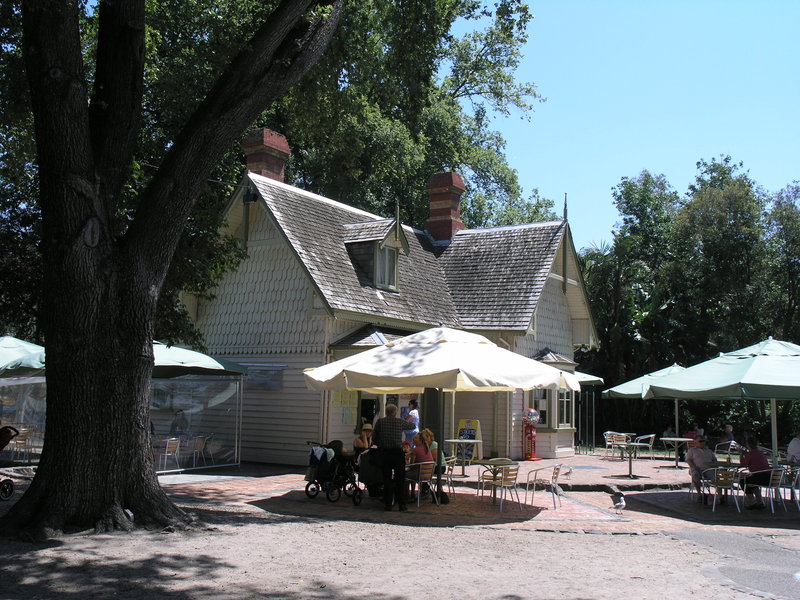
(420, 473)
(721, 480)
(172, 447)
(199, 449)
(506, 483)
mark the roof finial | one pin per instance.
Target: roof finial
(565, 206)
(397, 218)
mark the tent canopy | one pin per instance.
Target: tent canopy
(12, 348)
(170, 361)
(444, 358)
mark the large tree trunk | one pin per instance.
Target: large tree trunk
(102, 286)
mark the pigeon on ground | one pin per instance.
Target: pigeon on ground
(567, 473)
(618, 498)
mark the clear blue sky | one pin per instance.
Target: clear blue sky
(656, 85)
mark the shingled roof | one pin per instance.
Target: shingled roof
(496, 275)
(317, 229)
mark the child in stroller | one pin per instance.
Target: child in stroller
(7, 434)
(332, 469)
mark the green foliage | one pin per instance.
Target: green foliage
(687, 278)
(396, 98)
(372, 123)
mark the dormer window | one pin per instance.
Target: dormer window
(385, 267)
(374, 248)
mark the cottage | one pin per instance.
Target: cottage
(323, 280)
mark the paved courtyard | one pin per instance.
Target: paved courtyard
(657, 499)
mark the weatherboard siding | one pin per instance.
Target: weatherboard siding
(553, 322)
(265, 305)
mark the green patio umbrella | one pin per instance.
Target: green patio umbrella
(637, 388)
(769, 370)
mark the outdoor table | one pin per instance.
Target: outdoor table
(630, 449)
(676, 443)
(495, 467)
(463, 443)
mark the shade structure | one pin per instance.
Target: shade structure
(174, 361)
(637, 388)
(587, 379)
(769, 370)
(448, 359)
(12, 349)
(170, 361)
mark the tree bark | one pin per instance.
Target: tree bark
(101, 291)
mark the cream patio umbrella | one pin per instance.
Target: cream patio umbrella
(769, 370)
(637, 388)
(448, 359)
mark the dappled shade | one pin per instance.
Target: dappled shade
(443, 358)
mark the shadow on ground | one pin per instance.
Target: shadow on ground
(464, 509)
(679, 505)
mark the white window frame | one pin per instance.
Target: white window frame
(566, 403)
(385, 267)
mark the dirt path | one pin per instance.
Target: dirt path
(246, 552)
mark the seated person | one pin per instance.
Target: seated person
(728, 435)
(421, 452)
(406, 446)
(699, 459)
(756, 462)
(793, 451)
(364, 439)
(668, 432)
(428, 437)
(179, 426)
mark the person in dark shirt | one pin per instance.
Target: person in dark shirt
(388, 437)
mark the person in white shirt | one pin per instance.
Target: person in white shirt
(699, 459)
(793, 452)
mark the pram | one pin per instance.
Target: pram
(332, 470)
(7, 434)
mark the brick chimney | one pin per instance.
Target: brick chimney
(266, 152)
(444, 192)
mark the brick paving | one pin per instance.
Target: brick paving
(657, 500)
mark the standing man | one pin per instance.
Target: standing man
(388, 436)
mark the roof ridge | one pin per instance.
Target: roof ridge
(509, 227)
(260, 179)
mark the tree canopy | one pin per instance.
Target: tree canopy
(688, 277)
(396, 98)
(109, 229)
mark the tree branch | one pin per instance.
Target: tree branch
(279, 54)
(117, 95)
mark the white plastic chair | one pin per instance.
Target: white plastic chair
(646, 439)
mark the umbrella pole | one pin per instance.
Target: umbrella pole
(773, 408)
(677, 433)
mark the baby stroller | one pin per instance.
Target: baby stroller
(7, 434)
(332, 470)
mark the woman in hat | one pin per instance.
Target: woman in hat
(364, 439)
